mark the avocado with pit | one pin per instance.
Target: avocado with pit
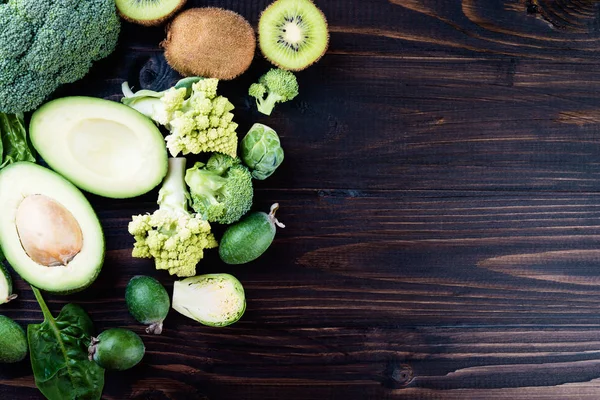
(49, 232)
(102, 146)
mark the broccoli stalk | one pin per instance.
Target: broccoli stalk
(221, 189)
(173, 236)
(278, 85)
(173, 195)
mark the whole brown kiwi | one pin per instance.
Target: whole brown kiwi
(210, 42)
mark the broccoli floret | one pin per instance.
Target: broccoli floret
(198, 120)
(173, 236)
(44, 44)
(278, 85)
(221, 189)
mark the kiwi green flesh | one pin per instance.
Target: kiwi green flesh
(293, 34)
(148, 12)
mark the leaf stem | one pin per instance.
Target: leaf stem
(38, 296)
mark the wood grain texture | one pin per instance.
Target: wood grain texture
(441, 194)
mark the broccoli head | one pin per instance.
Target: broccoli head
(44, 44)
(198, 120)
(221, 189)
(173, 236)
(277, 85)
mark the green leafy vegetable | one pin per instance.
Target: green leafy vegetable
(277, 85)
(14, 145)
(59, 354)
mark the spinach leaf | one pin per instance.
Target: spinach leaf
(59, 354)
(13, 135)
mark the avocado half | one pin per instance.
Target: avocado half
(102, 146)
(22, 226)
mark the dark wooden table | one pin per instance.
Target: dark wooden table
(442, 199)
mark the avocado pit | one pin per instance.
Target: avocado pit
(49, 233)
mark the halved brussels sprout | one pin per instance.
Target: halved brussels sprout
(211, 299)
(261, 151)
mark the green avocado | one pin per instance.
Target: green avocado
(49, 232)
(102, 146)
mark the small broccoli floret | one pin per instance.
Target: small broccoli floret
(173, 236)
(44, 44)
(278, 85)
(198, 120)
(221, 189)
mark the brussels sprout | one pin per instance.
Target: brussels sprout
(212, 299)
(261, 151)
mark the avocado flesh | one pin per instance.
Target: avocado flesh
(6, 294)
(102, 146)
(21, 180)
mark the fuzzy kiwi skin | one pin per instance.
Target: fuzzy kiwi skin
(275, 62)
(152, 22)
(226, 51)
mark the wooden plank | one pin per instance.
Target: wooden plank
(442, 204)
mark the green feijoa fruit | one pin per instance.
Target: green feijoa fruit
(13, 342)
(248, 239)
(117, 349)
(6, 294)
(148, 302)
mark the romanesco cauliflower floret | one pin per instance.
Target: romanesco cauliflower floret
(175, 238)
(197, 119)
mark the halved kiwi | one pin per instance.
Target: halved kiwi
(148, 12)
(293, 34)
(210, 42)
